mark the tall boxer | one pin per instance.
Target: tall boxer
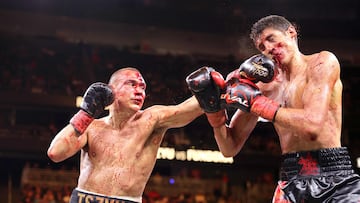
(304, 103)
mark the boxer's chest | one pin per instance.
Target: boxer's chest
(115, 144)
(292, 93)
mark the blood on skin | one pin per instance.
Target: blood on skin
(156, 140)
(93, 154)
(138, 154)
(313, 137)
(138, 75)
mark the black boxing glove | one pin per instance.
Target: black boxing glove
(96, 98)
(243, 94)
(257, 68)
(206, 85)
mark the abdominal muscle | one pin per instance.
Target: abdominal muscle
(117, 165)
(292, 141)
(114, 181)
(295, 140)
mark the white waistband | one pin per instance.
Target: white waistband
(134, 199)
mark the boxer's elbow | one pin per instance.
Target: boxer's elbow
(63, 145)
(230, 145)
(228, 154)
(228, 151)
(54, 155)
(314, 124)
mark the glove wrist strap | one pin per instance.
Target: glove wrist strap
(80, 121)
(265, 107)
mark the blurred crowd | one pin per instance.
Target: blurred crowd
(51, 66)
(47, 66)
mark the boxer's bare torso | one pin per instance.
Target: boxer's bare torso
(309, 89)
(119, 159)
(118, 152)
(311, 96)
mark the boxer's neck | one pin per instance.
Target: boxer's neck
(118, 120)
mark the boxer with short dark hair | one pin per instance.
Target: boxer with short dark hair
(304, 102)
(118, 151)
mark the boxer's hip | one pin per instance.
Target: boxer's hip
(324, 175)
(323, 162)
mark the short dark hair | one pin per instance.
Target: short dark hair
(271, 21)
(113, 77)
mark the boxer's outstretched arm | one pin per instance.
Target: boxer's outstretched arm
(66, 144)
(230, 139)
(175, 116)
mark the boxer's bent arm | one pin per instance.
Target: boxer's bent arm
(316, 98)
(231, 139)
(66, 144)
(175, 116)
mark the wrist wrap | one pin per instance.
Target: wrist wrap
(80, 121)
(265, 107)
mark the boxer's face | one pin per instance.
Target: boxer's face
(129, 90)
(276, 44)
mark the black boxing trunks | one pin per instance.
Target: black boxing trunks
(324, 175)
(82, 196)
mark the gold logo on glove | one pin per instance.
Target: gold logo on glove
(260, 70)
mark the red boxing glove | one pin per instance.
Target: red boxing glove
(218, 79)
(246, 96)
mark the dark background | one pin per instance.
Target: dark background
(52, 50)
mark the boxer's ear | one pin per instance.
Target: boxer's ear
(292, 31)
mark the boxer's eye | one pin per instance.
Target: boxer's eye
(261, 47)
(135, 84)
